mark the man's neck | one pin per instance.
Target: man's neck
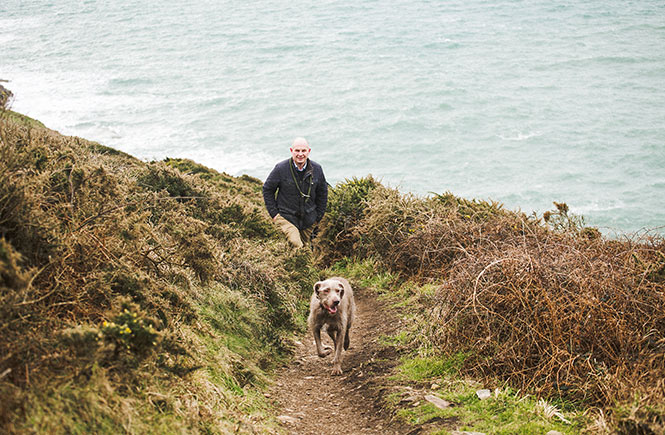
(300, 167)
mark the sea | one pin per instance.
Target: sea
(523, 102)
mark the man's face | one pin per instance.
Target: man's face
(300, 153)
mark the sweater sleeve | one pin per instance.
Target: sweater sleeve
(269, 189)
(321, 197)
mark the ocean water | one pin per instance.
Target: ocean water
(522, 102)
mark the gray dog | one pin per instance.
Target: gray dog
(332, 304)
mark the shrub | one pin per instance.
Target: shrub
(549, 306)
(93, 241)
(346, 207)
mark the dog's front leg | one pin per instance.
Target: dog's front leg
(321, 350)
(339, 344)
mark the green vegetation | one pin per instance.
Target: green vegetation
(502, 413)
(546, 307)
(136, 297)
(158, 298)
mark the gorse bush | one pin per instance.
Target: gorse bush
(130, 331)
(116, 277)
(346, 207)
(547, 305)
(471, 209)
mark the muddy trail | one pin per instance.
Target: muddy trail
(310, 400)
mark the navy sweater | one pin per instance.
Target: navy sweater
(282, 196)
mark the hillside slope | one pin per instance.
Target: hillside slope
(157, 297)
(541, 305)
(136, 296)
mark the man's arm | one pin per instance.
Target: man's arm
(321, 197)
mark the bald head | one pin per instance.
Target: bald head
(300, 141)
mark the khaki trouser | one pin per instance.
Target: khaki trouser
(297, 237)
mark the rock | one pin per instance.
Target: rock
(554, 432)
(5, 97)
(483, 394)
(438, 402)
(410, 398)
(435, 386)
(287, 419)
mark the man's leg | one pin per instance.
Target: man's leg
(306, 235)
(292, 233)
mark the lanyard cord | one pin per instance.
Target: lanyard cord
(293, 174)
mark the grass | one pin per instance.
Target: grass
(158, 297)
(543, 305)
(366, 272)
(505, 412)
(136, 297)
(424, 370)
(427, 368)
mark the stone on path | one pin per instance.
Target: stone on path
(438, 402)
(287, 419)
(483, 394)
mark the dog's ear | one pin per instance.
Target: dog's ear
(341, 289)
(317, 286)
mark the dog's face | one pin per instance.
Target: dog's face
(330, 292)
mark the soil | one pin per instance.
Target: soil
(310, 400)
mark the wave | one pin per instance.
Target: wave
(130, 81)
(519, 136)
(586, 61)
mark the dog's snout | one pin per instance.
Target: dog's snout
(335, 303)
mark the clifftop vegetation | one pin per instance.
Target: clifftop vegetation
(545, 305)
(135, 296)
(157, 297)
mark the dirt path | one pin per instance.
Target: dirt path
(312, 401)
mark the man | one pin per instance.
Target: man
(296, 194)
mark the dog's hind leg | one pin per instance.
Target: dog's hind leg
(347, 340)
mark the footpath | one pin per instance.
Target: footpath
(312, 401)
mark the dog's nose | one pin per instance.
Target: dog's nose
(335, 303)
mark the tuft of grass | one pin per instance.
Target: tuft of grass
(430, 368)
(505, 412)
(365, 272)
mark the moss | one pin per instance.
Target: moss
(21, 119)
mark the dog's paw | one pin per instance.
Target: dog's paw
(325, 352)
(336, 370)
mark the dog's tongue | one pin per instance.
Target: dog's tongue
(332, 310)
